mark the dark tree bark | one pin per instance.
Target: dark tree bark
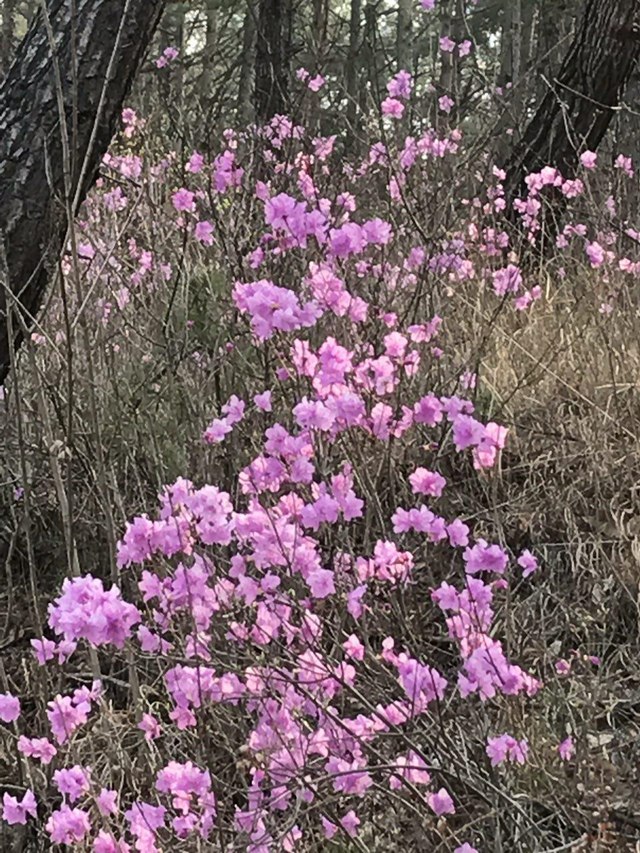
(351, 72)
(210, 46)
(101, 49)
(273, 54)
(578, 107)
(246, 82)
(404, 35)
(6, 35)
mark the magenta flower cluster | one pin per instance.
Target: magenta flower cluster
(271, 600)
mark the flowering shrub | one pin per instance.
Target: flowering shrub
(291, 646)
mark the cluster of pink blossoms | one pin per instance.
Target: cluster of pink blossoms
(257, 602)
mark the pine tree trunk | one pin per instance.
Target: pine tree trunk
(511, 47)
(7, 35)
(369, 85)
(578, 108)
(35, 176)
(246, 81)
(319, 32)
(172, 28)
(273, 51)
(448, 27)
(210, 45)
(352, 77)
(404, 35)
(511, 67)
(555, 21)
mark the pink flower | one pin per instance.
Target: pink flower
(196, 163)
(217, 430)
(566, 749)
(67, 826)
(428, 410)
(498, 748)
(400, 86)
(183, 200)
(377, 231)
(347, 240)
(519, 751)
(329, 829)
(507, 280)
(626, 164)
(321, 583)
(527, 563)
(589, 159)
(428, 5)
(467, 432)
(353, 648)
(85, 610)
(65, 716)
(464, 48)
(392, 107)
(465, 848)
(447, 45)
(204, 232)
(505, 747)
(486, 453)
(233, 410)
(350, 823)
(16, 812)
(72, 782)
(458, 533)
(355, 607)
(410, 767)
(316, 83)
(39, 748)
(263, 401)
(105, 843)
(9, 708)
(273, 308)
(596, 254)
(485, 558)
(446, 104)
(107, 802)
(425, 482)
(150, 726)
(441, 803)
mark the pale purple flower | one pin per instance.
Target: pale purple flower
(527, 563)
(589, 159)
(566, 749)
(441, 803)
(9, 708)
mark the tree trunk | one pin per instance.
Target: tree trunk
(210, 45)
(172, 32)
(404, 35)
(273, 51)
(38, 181)
(352, 77)
(555, 21)
(509, 75)
(511, 60)
(319, 33)
(247, 64)
(370, 76)
(7, 35)
(578, 107)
